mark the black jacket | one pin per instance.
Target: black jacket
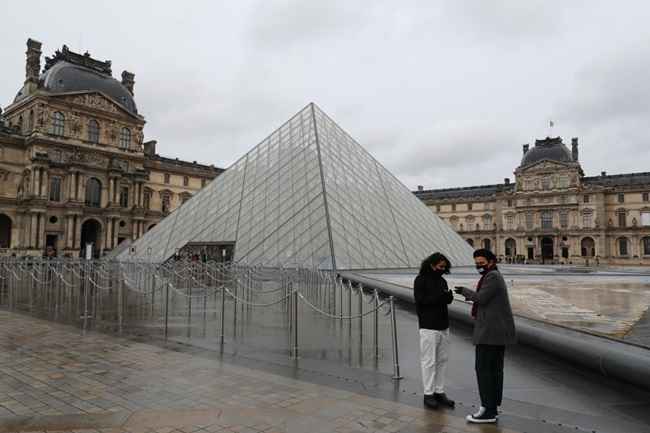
(431, 299)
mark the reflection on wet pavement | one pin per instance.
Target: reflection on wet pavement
(597, 302)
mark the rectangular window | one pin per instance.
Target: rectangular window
(586, 198)
(622, 219)
(510, 222)
(509, 203)
(438, 208)
(645, 219)
(165, 204)
(621, 198)
(203, 182)
(586, 221)
(469, 206)
(547, 219)
(55, 189)
(147, 200)
(186, 180)
(453, 207)
(124, 196)
(546, 183)
(564, 182)
(646, 196)
(564, 219)
(166, 178)
(529, 221)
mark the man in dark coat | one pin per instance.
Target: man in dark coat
(431, 298)
(494, 329)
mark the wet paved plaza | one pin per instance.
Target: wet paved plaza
(56, 378)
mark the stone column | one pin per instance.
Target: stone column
(46, 185)
(109, 232)
(33, 238)
(116, 231)
(81, 186)
(77, 232)
(41, 230)
(134, 230)
(36, 181)
(68, 232)
(110, 192)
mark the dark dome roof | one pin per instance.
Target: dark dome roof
(65, 77)
(549, 148)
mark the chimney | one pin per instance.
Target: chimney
(574, 149)
(150, 148)
(526, 147)
(506, 181)
(420, 188)
(32, 65)
(128, 80)
(603, 173)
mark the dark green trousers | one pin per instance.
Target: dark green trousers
(489, 374)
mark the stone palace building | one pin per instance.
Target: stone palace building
(74, 166)
(553, 213)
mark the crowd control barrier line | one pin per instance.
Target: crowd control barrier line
(611, 358)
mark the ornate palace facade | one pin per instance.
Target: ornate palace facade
(553, 213)
(74, 167)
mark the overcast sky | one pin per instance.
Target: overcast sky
(443, 93)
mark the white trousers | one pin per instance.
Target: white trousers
(434, 354)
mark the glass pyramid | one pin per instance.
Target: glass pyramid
(309, 196)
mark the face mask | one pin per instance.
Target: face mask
(481, 269)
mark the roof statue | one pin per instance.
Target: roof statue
(308, 196)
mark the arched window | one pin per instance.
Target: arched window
(166, 204)
(58, 123)
(93, 192)
(487, 244)
(645, 246)
(588, 247)
(125, 138)
(93, 131)
(511, 247)
(622, 246)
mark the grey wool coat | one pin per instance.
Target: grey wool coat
(494, 323)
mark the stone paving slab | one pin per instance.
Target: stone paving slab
(53, 378)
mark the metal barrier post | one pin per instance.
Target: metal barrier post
(375, 339)
(360, 317)
(295, 324)
(166, 308)
(396, 373)
(189, 312)
(120, 304)
(223, 311)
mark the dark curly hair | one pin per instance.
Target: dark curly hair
(432, 260)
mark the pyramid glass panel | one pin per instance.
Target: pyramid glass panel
(309, 196)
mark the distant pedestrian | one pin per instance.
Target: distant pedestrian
(432, 295)
(494, 329)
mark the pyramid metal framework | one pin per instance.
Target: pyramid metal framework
(309, 196)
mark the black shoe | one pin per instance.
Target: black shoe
(444, 401)
(430, 402)
(487, 417)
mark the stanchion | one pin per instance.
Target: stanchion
(295, 325)
(120, 305)
(223, 313)
(166, 308)
(396, 373)
(375, 335)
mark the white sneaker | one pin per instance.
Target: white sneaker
(485, 418)
(481, 411)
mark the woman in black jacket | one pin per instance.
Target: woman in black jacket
(432, 295)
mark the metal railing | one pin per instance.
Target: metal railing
(173, 299)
